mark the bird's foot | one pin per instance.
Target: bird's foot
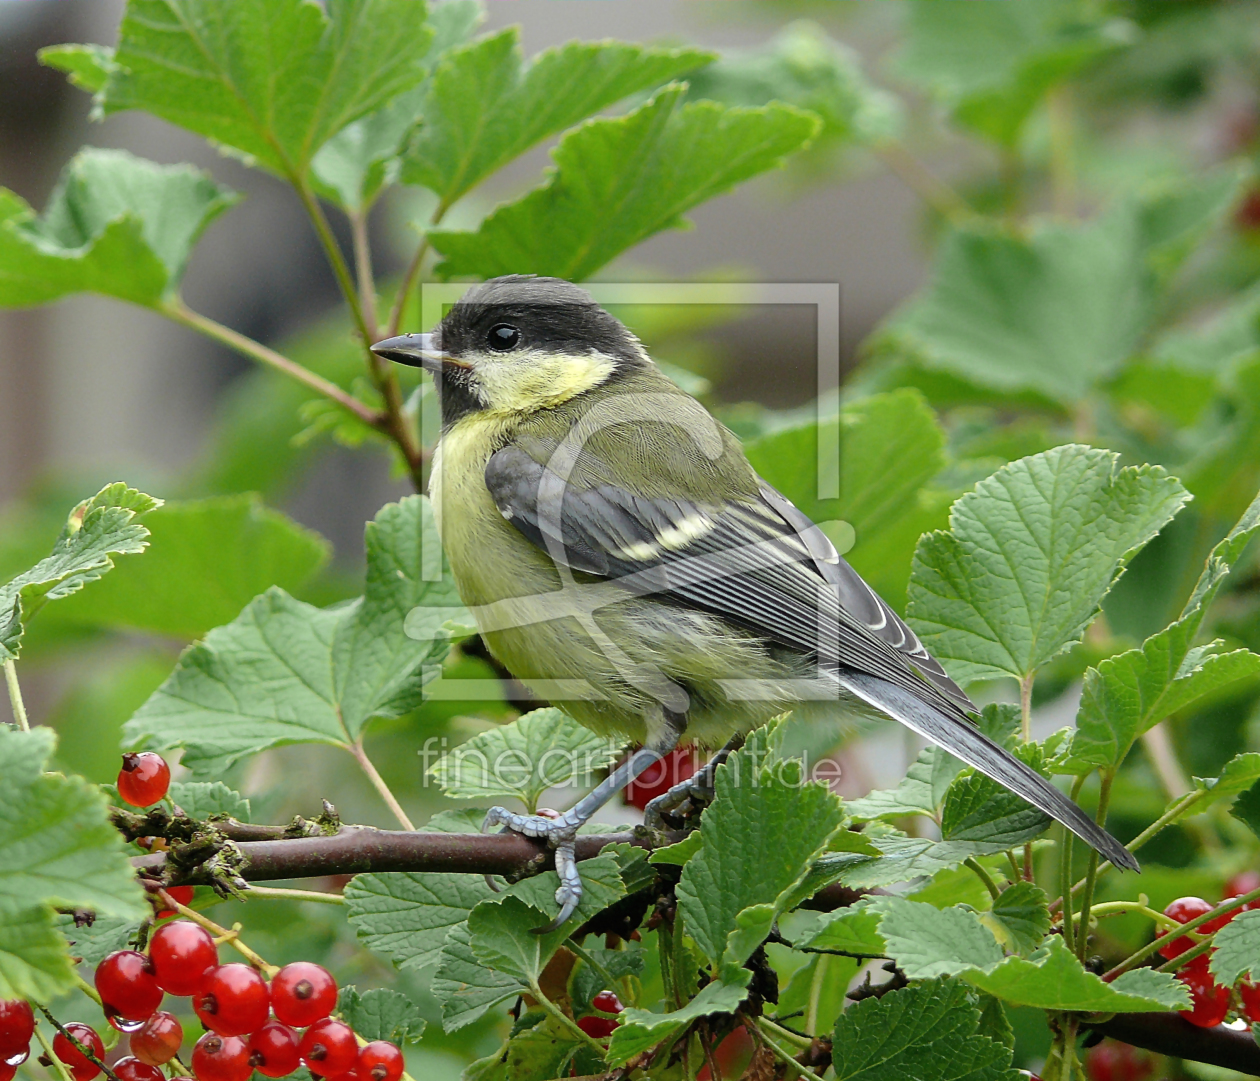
(696, 791)
(560, 833)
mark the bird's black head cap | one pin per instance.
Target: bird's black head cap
(520, 311)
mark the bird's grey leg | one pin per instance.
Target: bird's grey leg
(699, 786)
(561, 832)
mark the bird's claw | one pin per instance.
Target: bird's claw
(674, 799)
(560, 834)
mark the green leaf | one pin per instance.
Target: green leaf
(286, 672)
(207, 559)
(271, 79)
(97, 530)
(484, 107)
(542, 1051)
(929, 1032)
(1237, 952)
(201, 799)
(360, 160)
(1247, 809)
(912, 796)
(586, 982)
(1058, 309)
(1238, 774)
(34, 961)
(380, 1014)
(602, 886)
(464, 985)
(854, 931)
(926, 941)
(1029, 556)
(116, 224)
(678, 854)
(504, 939)
(978, 808)
(406, 916)
(817, 989)
(57, 848)
(759, 838)
(540, 750)
(891, 446)
(805, 67)
(618, 181)
(992, 65)
(1053, 979)
(88, 66)
(1127, 695)
(642, 1029)
(904, 858)
(95, 941)
(1020, 918)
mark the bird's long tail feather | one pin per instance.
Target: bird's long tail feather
(967, 742)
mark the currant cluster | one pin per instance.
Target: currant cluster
(597, 1026)
(1210, 1001)
(250, 1024)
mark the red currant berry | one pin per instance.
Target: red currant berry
(1209, 1001)
(607, 1002)
(273, 1050)
(233, 1000)
(1113, 1061)
(81, 1067)
(17, 1026)
(329, 1048)
(132, 1069)
(221, 1058)
(7, 1072)
(157, 1040)
(303, 993)
(127, 986)
(660, 777)
(597, 1027)
(182, 894)
(1243, 882)
(1183, 910)
(183, 956)
(143, 779)
(379, 1061)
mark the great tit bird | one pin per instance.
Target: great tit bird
(621, 556)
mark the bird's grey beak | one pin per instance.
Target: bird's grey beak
(418, 351)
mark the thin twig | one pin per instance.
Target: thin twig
(759, 1036)
(278, 894)
(924, 183)
(363, 271)
(378, 782)
(15, 696)
(181, 313)
(75, 1042)
(1166, 819)
(565, 1019)
(62, 1068)
(405, 287)
(973, 865)
(1091, 873)
(229, 935)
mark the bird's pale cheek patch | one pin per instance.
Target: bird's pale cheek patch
(522, 382)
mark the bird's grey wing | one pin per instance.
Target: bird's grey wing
(763, 565)
(760, 563)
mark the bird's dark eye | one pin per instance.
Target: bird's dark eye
(503, 336)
